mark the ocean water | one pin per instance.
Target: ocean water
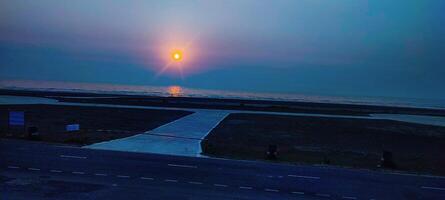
(179, 91)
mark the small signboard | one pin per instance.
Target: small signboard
(16, 118)
(72, 127)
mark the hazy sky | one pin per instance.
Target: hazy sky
(390, 48)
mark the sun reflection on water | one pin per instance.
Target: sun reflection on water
(174, 91)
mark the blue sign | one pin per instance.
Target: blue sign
(17, 118)
(72, 127)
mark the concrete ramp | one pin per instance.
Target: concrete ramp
(180, 137)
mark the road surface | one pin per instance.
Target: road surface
(33, 170)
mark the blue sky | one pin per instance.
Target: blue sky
(344, 47)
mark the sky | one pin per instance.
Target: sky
(344, 47)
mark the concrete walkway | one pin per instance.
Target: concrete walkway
(180, 137)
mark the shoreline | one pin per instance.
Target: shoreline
(227, 104)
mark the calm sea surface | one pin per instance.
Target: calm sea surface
(178, 91)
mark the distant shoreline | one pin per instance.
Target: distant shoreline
(226, 103)
(180, 91)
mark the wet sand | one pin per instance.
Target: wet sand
(228, 104)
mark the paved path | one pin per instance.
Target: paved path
(180, 137)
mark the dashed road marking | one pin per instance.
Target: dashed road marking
(195, 183)
(433, 188)
(216, 185)
(68, 156)
(183, 166)
(299, 176)
(219, 185)
(322, 195)
(297, 192)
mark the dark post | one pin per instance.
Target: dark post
(387, 160)
(33, 133)
(272, 152)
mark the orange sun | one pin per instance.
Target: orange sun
(176, 55)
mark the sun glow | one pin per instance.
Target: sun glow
(177, 55)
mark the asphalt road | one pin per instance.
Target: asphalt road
(32, 170)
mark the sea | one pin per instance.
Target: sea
(180, 91)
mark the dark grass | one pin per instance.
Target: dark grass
(338, 141)
(97, 123)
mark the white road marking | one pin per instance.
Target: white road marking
(196, 183)
(245, 187)
(184, 166)
(418, 175)
(34, 169)
(13, 167)
(147, 178)
(78, 172)
(270, 190)
(122, 176)
(322, 195)
(309, 177)
(68, 156)
(344, 197)
(297, 192)
(55, 171)
(219, 185)
(171, 180)
(433, 188)
(100, 174)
